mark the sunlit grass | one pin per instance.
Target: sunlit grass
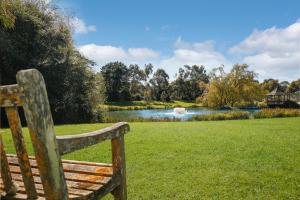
(239, 159)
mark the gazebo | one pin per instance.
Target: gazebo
(277, 97)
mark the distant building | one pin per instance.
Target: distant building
(277, 98)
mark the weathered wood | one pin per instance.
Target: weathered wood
(40, 190)
(71, 161)
(20, 196)
(23, 160)
(70, 184)
(46, 176)
(10, 96)
(90, 185)
(9, 186)
(119, 166)
(73, 168)
(67, 144)
(40, 125)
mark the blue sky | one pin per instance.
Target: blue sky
(265, 34)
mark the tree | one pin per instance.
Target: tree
(284, 86)
(148, 70)
(294, 86)
(160, 84)
(116, 77)
(186, 85)
(7, 16)
(243, 86)
(217, 89)
(41, 39)
(136, 78)
(270, 84)
(235, 88)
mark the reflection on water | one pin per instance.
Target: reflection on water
(164, 113)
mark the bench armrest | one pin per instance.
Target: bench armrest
(70, 143)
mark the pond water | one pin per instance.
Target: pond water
(166, 113)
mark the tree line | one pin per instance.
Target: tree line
(134, 83)
(36, 35)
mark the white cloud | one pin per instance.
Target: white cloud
(104, 54)
(186, 53)
(274, 52)
(142, 53)
(79, 26)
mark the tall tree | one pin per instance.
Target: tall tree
(116, 77)
(186, 85)
(41, 39)
(160, 85)
(136, 78)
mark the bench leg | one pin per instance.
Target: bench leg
(119, 167)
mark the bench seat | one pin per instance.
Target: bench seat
(85, 180)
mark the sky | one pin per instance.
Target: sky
(265, 34)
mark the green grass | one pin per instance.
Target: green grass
(238, 159)
(139, 105)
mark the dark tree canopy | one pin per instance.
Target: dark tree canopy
(186, 85)
(116, 77)
(160, 85)
(294, 86)
(41, 39)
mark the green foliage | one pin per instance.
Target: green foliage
(278, 112)
(294, 86)
(160, 85)
(270, 84)
(231, 115)
(7, 12)
(241, 159)
(262, 104)
(41, 39)
(236, 87)
(116, 77)
(136, 77)
(186, 85)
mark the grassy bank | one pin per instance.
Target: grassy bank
(240, 159)
(140, 105)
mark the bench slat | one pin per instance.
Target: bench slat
(82, 183)
(8, 185)
(75, 168)
(23, 160)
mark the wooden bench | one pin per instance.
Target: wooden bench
(45, 175)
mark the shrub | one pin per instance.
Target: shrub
(199, 99)
(262, 104)
(278, 112)
(231, 115)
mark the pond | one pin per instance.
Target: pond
(166, 113)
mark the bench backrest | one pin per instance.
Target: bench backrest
(30, 93)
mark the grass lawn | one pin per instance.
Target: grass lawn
(241, 159)
(138, 105)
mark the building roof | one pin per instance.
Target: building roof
(276, 91)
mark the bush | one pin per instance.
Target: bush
(278, 112)
(199, 99)
(231, 115)
(244, 105)
(262, 104)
